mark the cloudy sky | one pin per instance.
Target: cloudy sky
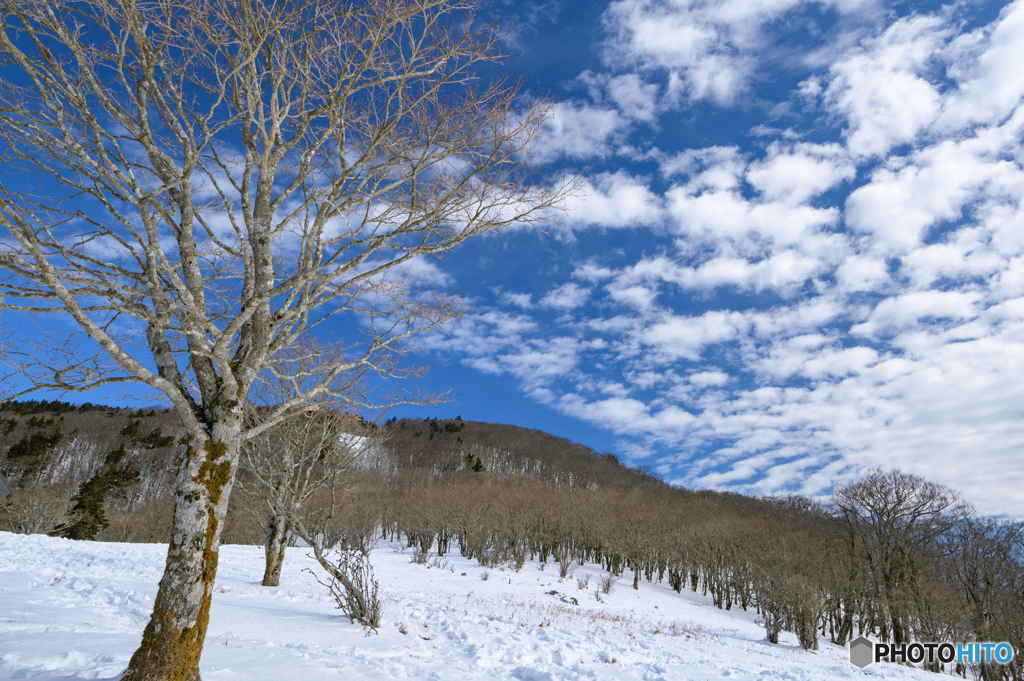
(799, 252)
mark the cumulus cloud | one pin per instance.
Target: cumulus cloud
(985, 66)
(904, 311)
(714, 205)
(566, 297)
(614, 200)
(798, 173)
(934, 185)
(578, 130)
(674, 336)
(712, 48)
(626, 415)
(634, 98)
(882, 90)
(523, 300)
(862, 273)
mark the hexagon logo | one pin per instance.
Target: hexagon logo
(862, 652)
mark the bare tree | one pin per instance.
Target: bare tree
(199, 184)
(302, 455)
(893, 520)
(985, 562)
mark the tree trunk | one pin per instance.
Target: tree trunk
(846, 625)
(279, 535)
(898, 633)
(173, 640)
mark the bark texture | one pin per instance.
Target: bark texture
(279, 535)
(173, 640)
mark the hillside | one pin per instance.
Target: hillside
(75, 610)
(894, 556)
(48, 450)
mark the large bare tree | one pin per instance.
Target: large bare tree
(893, 521)
(195, 185)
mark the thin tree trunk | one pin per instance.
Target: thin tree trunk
(173, 640)
(279, 535)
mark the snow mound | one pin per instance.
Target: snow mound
(76, 610)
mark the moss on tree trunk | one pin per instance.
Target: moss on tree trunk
(173, 640)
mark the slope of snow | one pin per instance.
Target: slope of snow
(77, 609)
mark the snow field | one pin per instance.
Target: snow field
(76, 610)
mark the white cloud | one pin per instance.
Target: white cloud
(898, 205)
(566, 297)
(425, 272)
(579, 130)
(715, 167)
(901, 312)
(521, 300)
(615, 200)
(780, 271)
(891, 90)
(881, 89)
(714, 206)
(708, 378)
(672, 35)
(966, 254)
(541, 360)
(640, 297)
(635, 99)
(862, 273)
(592, 272)
(673, 337)
(486, 334)
(798, 174)
(712, 48)
(986, 65)
(626, 415)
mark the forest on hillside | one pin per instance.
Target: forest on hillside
(891, 555)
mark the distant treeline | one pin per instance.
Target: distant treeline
(47, 406)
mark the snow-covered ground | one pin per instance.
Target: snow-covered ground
(77, 609)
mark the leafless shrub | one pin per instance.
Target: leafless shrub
(583, 582)
(566, 567)
(607, 582)
(301, 461)
(485, 575)
(353, 586)
(419, 556)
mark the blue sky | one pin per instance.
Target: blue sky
(799, 251)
